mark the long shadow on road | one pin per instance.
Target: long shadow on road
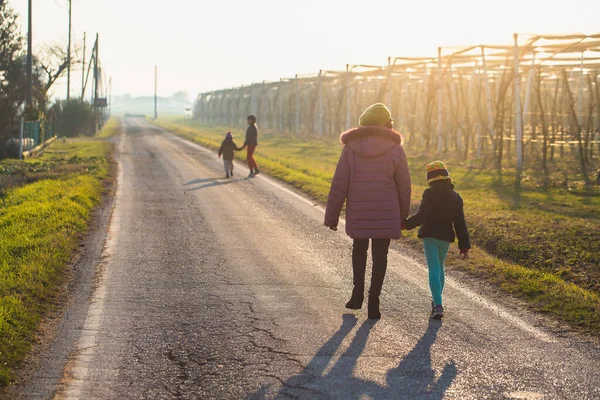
(210, 182)
(413, 378)
(203, 180)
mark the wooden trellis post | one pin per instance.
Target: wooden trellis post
(281, 119)
(348, 97)
(296, 107)
(518, 116)
(401, 108)
(388, 84)
(440, 103)
(580, 93)
(252, 100)
(488, 99)
(222, 108)
(527, 119)
(320, 104)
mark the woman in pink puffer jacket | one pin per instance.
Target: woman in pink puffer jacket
(372, 177)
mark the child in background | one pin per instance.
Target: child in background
(440, 215)
(227, 148)
(251, 142)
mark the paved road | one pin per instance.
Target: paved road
(216, 289)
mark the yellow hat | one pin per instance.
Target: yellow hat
(437, 171)
(376, 115)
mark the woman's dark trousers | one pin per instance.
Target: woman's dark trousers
(379, 250)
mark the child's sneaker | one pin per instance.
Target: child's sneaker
(437, 312)
(251, 174)
(256, 171)
(231, 173)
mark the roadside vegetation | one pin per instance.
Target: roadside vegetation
(539, 244)
(46, 209)
(111, 128)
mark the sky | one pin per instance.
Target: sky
(201, 45)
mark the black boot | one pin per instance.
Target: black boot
(380, 252)
(359, 264)
(374, 292)
(358, 296)
(373, 308)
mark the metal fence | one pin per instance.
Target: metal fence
(32, 130)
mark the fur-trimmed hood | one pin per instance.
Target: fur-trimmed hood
(371, 141)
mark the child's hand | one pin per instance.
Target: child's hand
(464, 254)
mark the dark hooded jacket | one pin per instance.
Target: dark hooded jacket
(372, 177)
(440, 215)
(227, 148)
(251, 136)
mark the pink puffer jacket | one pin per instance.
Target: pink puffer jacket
(372, 177)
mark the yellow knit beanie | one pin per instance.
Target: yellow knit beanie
(436, 171)
(376, 115)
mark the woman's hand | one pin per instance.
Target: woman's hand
(464, 254)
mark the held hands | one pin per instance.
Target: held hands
(464, 254)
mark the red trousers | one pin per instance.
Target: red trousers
(250, 157)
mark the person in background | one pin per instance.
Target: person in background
(227, 150)
(251, 143)
(440, 215)
(372, 178)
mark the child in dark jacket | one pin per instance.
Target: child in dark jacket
(227, 148)
(440, 215)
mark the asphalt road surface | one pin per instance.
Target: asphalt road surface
(210, 288)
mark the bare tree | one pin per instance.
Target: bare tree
(53, 60)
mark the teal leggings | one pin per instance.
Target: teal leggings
(435, 253)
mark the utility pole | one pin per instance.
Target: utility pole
(83, 70)
(155, 90)
(109, 96)
(96, 72)
(69, 57)
(29, 95)
(96, 77)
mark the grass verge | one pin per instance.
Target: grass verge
(111, 128)
(48, 204)
(541, 245)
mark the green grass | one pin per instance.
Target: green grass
(46, 211)
(542, 245)
(110, 128)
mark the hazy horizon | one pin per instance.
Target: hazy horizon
(200, 47)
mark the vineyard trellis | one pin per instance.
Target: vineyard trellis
(536, 100)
